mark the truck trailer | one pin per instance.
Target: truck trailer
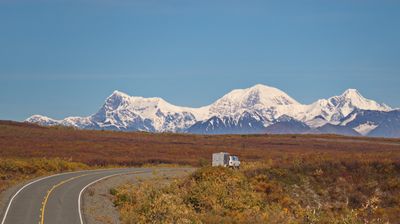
(225, 159)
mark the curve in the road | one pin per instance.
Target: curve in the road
(23, 187)
(58, 193)
(91, 183)
(46, 198)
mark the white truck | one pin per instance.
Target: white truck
(225, 159)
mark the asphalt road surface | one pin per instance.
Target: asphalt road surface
(57, 199)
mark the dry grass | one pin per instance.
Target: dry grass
(312, 191)
(20, 140)
(285, 179)
(13, 171)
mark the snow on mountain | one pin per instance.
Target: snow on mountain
(249, 110)
(373, 122)
(317, 122)
(124, 112)
(389, 126)
(272, 103)
(128, 113)
(269, 102)
(287, 125)
(42, 120)
(350, 100)
(247, 124)
(337, 107)
(365, 128)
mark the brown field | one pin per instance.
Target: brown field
(22, 140)
(284, 178)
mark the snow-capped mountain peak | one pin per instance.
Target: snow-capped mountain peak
(259, 94)
(259, 98)
(335, 108)
(352, 99)
(42, 120)
(119, 93)
(351, 93)
(352, 96)
(249, 110)
(116, 99)
(121, 110)
(139, 104)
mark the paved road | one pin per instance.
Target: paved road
(56, 199)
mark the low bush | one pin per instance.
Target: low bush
(16, 170)
(310, 191)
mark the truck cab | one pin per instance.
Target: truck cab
(234, 161)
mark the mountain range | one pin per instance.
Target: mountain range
(254, 110)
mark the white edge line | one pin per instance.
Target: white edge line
(43, 178)
(26, 185)
(93, 182)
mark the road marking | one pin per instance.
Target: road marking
(93, 182)
(26, 185)
(44, 203)
(43, 178)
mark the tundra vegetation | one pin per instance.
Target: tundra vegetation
(14, 170)
(95, 148)
(286, 178)
(305, 190)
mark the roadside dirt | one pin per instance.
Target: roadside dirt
(98, 206)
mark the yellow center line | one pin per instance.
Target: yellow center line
(49, 192)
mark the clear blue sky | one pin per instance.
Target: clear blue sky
(63, 58)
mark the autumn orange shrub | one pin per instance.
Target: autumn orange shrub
(100, 148)
(15, 170)
(307, 190)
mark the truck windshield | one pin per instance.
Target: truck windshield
(234, 158)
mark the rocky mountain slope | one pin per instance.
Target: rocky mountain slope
(258, 109)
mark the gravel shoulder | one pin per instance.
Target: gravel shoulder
(97, 200)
